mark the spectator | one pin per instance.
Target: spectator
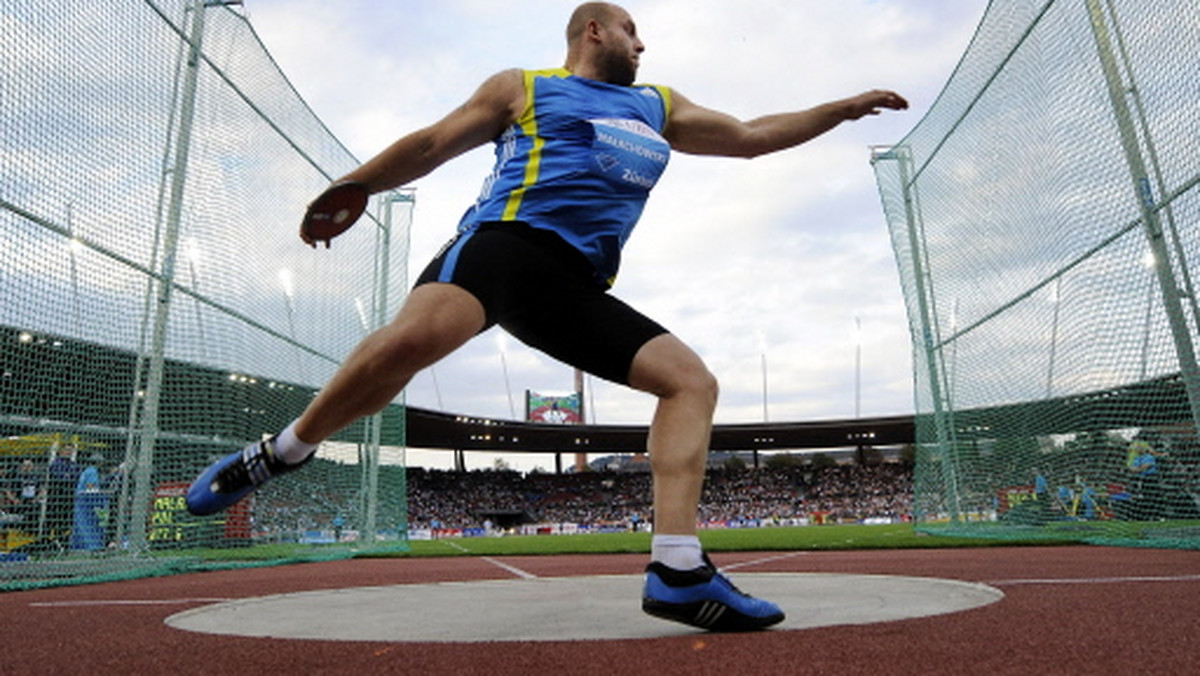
(1147, 482)
(10, 493)
(30, 492)
(88, 533)
(61, 477)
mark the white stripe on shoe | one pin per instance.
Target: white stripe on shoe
(256, 464)
(710, 612)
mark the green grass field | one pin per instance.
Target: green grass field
(811, 538)
(1168, 534)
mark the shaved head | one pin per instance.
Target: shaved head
(602, 43)
(600, 12)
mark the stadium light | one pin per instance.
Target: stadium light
(287, 282)
(362, 315)
(501, 343)
(191, 250)
(857, 366)
(762, 351)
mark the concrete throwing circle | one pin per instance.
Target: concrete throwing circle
(565, 608)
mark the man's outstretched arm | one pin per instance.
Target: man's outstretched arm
(494, 106)
(695, 129)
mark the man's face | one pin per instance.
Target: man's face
(619, 60)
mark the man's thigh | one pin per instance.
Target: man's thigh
(590, 330)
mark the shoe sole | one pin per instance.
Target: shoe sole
(710, 615)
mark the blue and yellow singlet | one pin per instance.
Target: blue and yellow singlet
(580, 161)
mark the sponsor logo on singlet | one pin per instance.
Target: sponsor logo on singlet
(628, 153)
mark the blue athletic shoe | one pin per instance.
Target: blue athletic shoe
(233, 477)
(704, 598)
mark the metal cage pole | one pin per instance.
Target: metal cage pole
(148, 429)
(382, 310)
(1172, 228)
(943, 415)
(1173, 296)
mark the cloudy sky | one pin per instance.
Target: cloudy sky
(771, 260)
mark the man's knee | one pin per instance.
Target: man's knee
(695, 382)
(666, 367)
(703, 383)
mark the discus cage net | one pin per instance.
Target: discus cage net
(157, 309)
(1045, 219)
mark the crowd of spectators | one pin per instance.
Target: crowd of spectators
(58, 505)
(442, 499)
(850, 493)
(436, 499)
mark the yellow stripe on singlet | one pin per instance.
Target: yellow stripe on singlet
(528, 124)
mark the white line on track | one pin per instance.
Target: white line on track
(768, 559)
(523, 574)
(1098, 580)
(125, 602)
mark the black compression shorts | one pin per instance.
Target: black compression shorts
(543, 291)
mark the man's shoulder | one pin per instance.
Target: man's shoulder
(558, 72)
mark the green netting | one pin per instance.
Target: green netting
(157, 309)
(1045, 217)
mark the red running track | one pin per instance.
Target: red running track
(1067, 610)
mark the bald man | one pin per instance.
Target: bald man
(578, 149)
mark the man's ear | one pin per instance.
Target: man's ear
(592, 30)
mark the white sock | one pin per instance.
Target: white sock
(290, 448)
(681, 552)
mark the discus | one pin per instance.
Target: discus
(333, 212)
